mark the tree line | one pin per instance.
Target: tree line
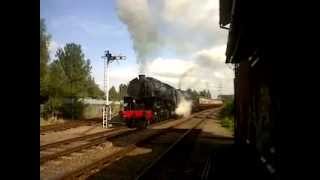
(115, 95)
(197, 94)
(67, 76)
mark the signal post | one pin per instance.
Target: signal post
(107, 111)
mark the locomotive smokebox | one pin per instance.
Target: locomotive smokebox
(142, 76)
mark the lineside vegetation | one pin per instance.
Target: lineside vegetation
(227, 115)
(66, 77)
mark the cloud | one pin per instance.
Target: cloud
(136, 14)
(118, 75)
(184, 26)
(204, 70)
(195, 23)
(169, 66)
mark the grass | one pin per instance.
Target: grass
(228, 122)
(50, 121)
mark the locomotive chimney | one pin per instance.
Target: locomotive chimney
(142, 76)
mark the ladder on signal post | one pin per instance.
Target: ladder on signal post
(106, 116)
(107, 108)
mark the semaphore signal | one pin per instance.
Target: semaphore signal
(107, 112)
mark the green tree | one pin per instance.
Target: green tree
(202, 93)
(93, 90)
(195, 95)
(122, 91)
(113, 94)
(67, 79)
(57, 80)
(76, 68)
(205, 94)
(44, 57)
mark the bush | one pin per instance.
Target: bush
(56, 108)
(74, 110)
(51, 108)
(227, 115)
(228, 109)
(228, 122)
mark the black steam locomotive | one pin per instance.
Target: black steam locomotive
(150, 100)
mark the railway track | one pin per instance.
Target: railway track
(68, 125)
(145, 174)
(80, 138)
(192, 156)
(88, 141)
(94, 167)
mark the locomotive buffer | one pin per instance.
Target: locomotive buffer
(107, 112)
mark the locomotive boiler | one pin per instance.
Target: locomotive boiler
(148, 100)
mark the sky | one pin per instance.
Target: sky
(178, 42)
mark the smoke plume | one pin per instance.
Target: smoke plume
(184, 107)
(184, 76)
(209, 65)
(137, 16)
(180, 26)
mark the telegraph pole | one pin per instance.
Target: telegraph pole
(107, 112)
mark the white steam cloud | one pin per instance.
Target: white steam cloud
(208, 65)
(137, 16)
(179, 42)
(184, 107)
(182, 27)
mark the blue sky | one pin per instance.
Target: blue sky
(182, 39)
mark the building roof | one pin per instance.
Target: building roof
(247, 28)
(225, 12)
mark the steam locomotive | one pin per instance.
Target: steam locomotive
(150, 100)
